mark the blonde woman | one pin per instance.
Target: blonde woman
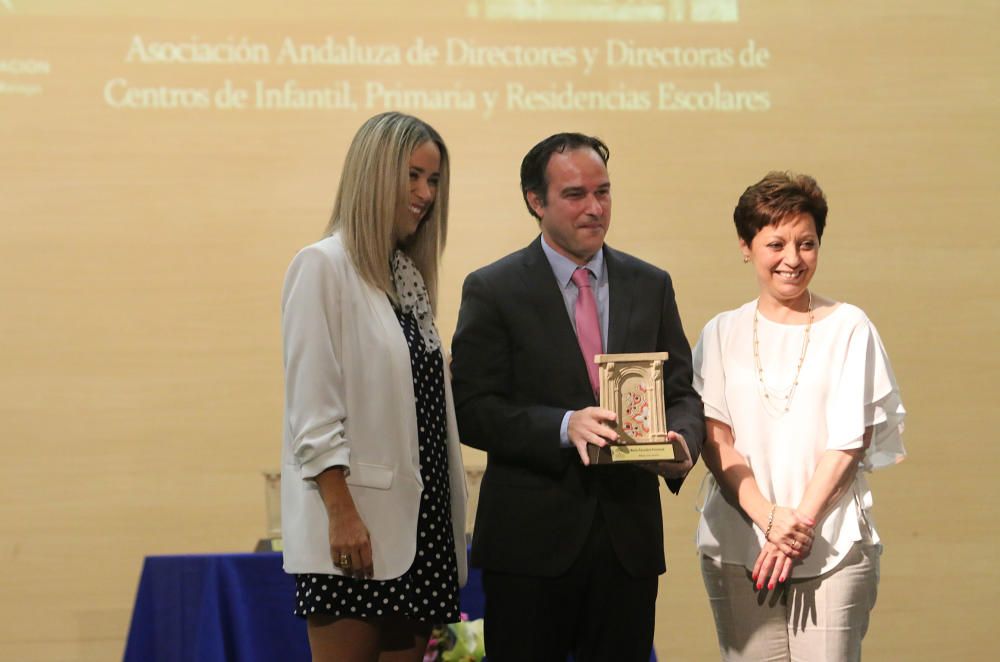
(800, 400)
(373, 489)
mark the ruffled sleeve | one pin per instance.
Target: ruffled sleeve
(866, 395)
(709, 373)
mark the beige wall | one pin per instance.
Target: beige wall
(143, 253)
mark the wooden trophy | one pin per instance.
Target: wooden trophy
(632, 387)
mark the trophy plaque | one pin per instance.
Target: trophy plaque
(272, 501)
(632, 387)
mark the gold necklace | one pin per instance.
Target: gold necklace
(773, 397)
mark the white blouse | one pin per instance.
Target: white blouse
(845, 385)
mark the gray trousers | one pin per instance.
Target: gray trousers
(805, 620)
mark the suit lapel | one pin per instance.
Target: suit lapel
(620, 294)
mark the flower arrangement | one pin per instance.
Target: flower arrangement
(457, 642)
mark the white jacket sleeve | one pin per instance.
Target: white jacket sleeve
(311, 318)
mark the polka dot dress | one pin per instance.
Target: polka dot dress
(428, 591)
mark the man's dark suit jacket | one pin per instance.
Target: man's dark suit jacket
(517, 368)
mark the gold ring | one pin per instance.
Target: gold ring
(344, 561)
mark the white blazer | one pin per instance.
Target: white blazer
(349, 402)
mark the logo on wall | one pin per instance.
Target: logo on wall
(631, 11)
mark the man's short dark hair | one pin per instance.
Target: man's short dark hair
(536, 162)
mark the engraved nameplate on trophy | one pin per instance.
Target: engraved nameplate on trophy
(632, 387)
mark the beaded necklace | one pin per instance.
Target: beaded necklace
(779, 401)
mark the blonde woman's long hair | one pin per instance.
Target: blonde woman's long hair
(374, 187)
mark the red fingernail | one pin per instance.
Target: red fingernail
(770, 586)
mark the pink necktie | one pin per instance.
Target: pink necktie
(588, 326)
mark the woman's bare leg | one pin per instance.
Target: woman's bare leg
(333, 639)
(403, 640)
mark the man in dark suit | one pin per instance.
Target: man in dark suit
(570, 553)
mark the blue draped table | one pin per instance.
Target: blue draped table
(227, 607)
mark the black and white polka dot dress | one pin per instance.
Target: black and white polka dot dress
(428, 591)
